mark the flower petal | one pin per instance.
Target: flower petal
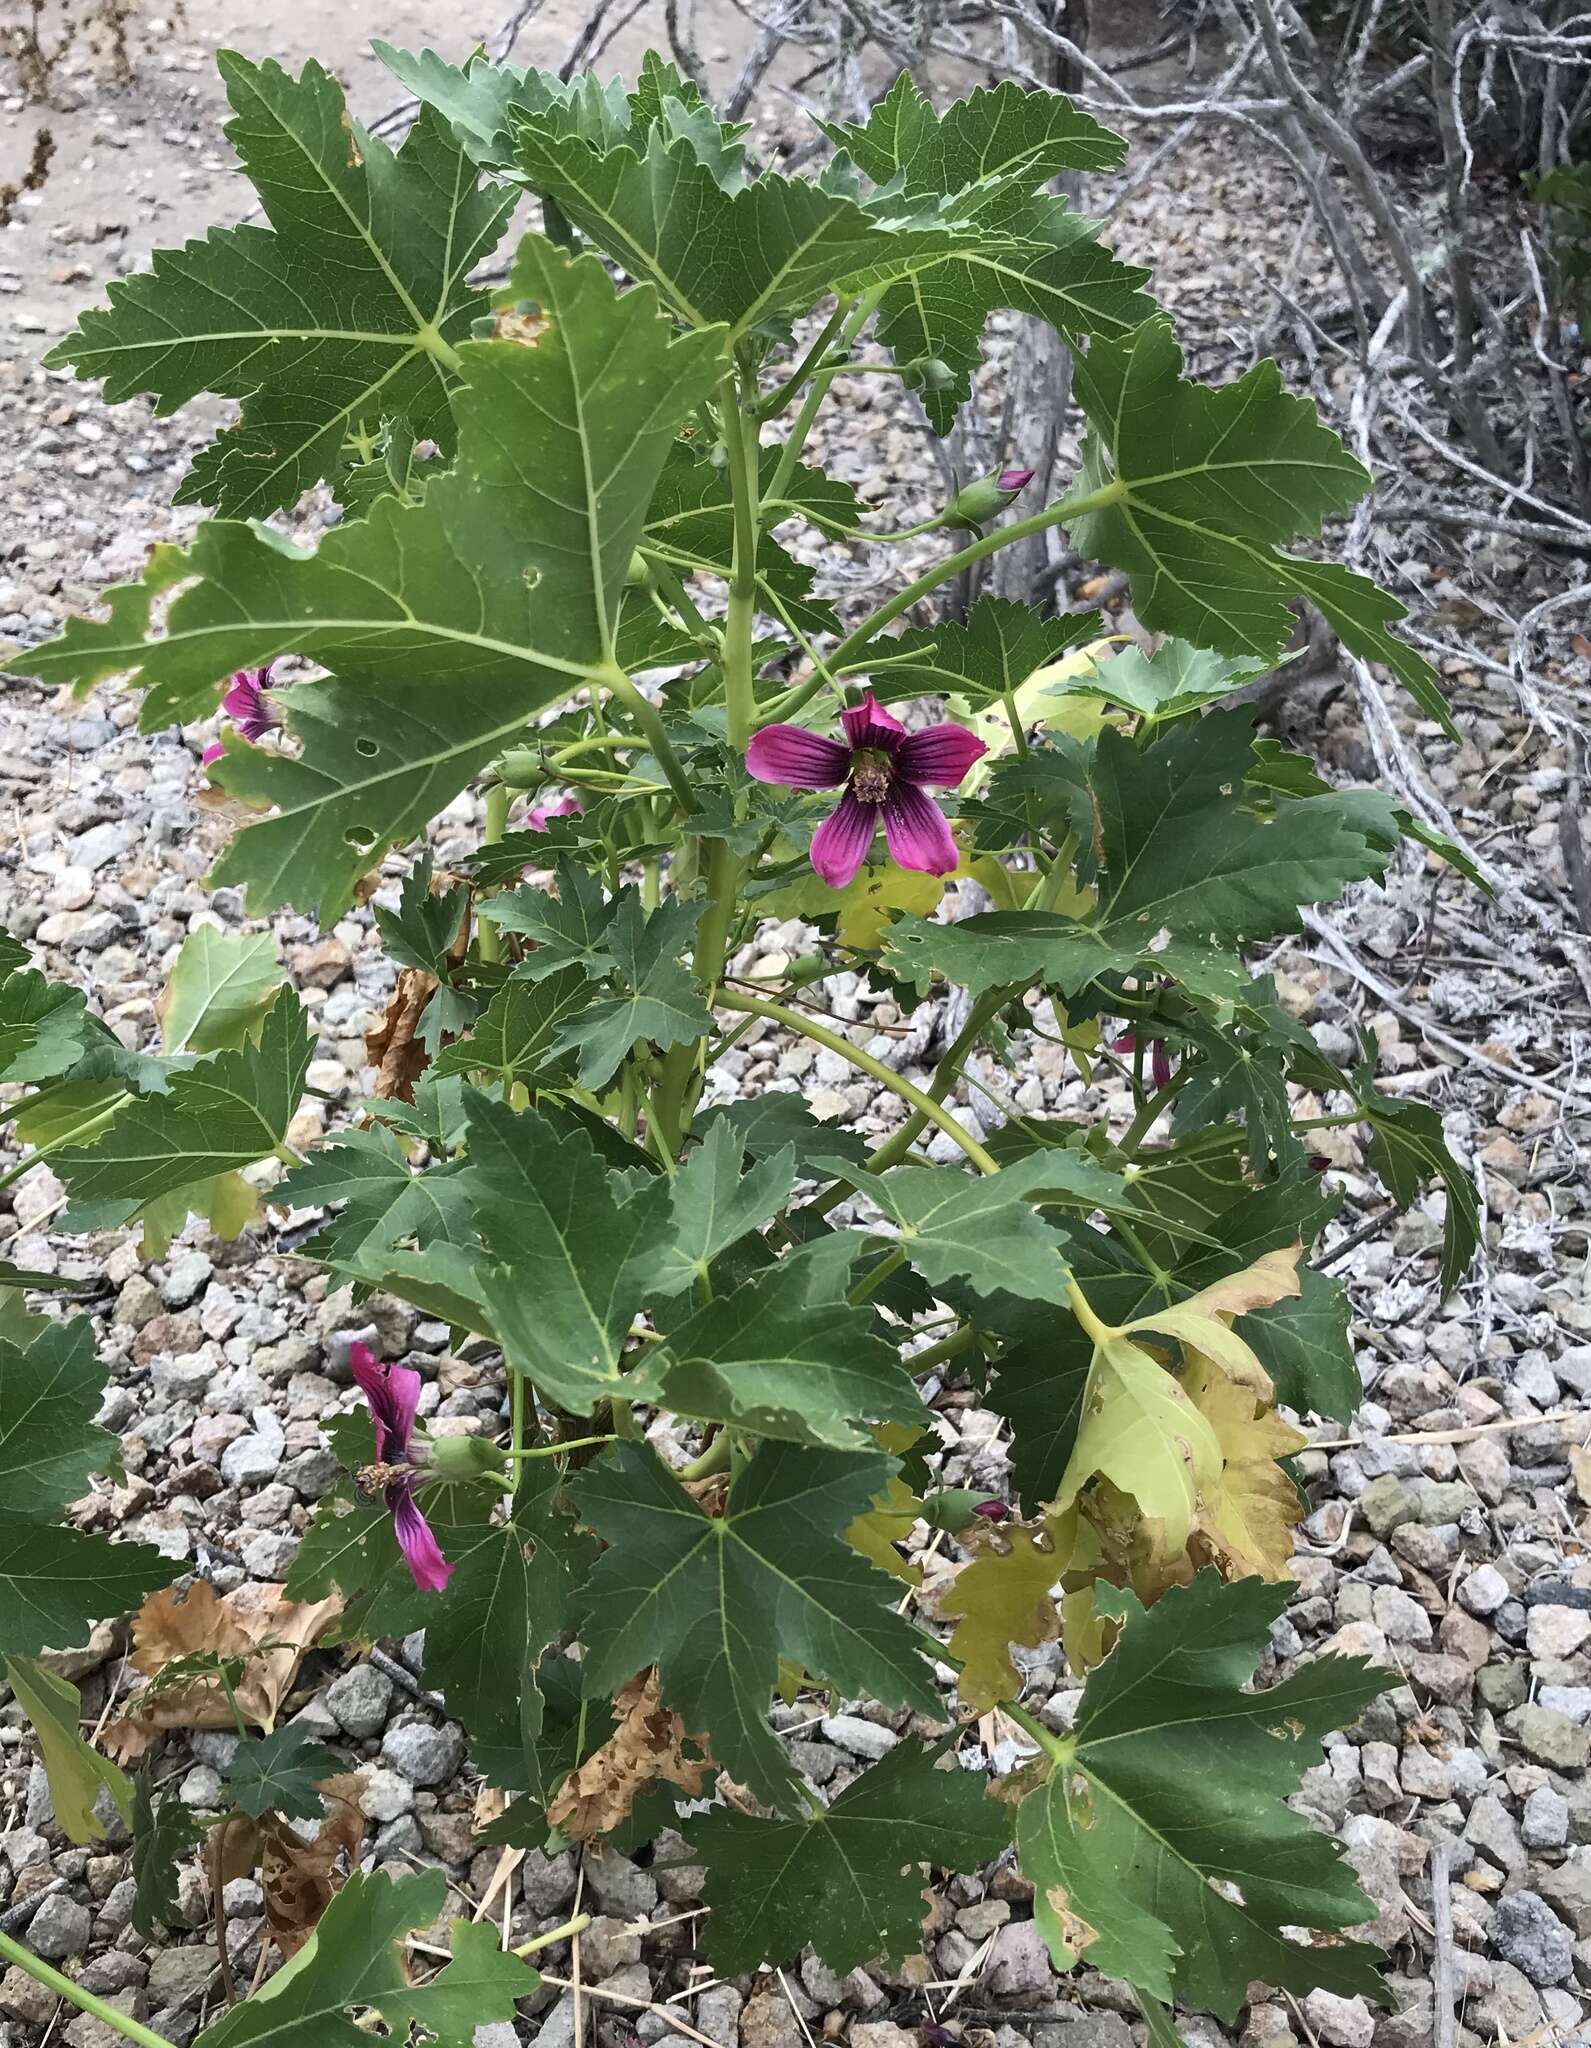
(918, 831)
(213, 752)
(393, 1392)
(796, 758)
(421, 1551)
(839, 845)
(939, 754)
(248, 705)
(540, 816)
(868, 724)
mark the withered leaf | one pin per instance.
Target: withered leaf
(647, 1747)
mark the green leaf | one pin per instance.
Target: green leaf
(1213, 481)
(42, 1026)
(1162, 1850)
(999, 132)
(163, 1834)
(581, 1257)
(1409, 1148)
(568, 929)
(716, 1601)
(279, 1774)
(850, 1879)
(55, 1583)
(220, 988)
(478, 587)
(76, 1770)
(743, 258)
(1039, 1387)
(1305, 1346)
(345, 309)
(389, 463)
(421, 931)
(1031, 255)
(994, 651)
(715, 1202)
(981, 1228)
(656, 997)
(222, 1114)
(356, 1959)
(348, 1548)
(1178, 677)
(769, 1123)
(49, 1441)
(476, 100)
(385, 1203)
(785, 1355)
(1186, 866)
(516, 1034)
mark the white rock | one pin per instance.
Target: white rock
(1557, 1632)
(1344, 2022)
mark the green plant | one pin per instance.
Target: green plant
(562, 574)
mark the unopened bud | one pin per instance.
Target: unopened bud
(928, 373)
(982, 499)
(958, 1506)
(639, 574)
(463, 1457)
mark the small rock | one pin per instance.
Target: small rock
(60, 1928)
(88, 2032)
(423, 1752)
(1019, 1963)
(1526, 1932)
(1484, 1591)
(24, 1998)
(1568, 1891)
(767, 2020)
(1551, 1738)
(548, 1882)
(187, 1276)
(860, 1738)
(608, 1945)
(386, 1795)
(883, 2034)
(618, 1885)
(1344, 2022)
(1386, 1504)
(252, 1459)
(180, 1976)
(361, 1700)
(1557, 1632)
(1545, 1822)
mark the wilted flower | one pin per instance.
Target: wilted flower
(885, 770)
(393, 1392)
(987, 495)
(250, 706)
(1159, 1058)
(539, 816)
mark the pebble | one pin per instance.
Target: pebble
(858, 1737)
(1019, 1963)
(386, 1795)
(60, 1928)
(1545, 1821)
(1343, 2022)
(1557, 1632)
(1484, 1591)
(1528, 1933)
(361, 1700)
(424, 1752)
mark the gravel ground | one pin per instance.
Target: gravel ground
(1446, 1534)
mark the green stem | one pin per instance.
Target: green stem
(740, 438)
(85, 2001)
(925, 1105)
(714, 1459)
(894, 1149)
(947, 1348)
(1147, 1117)
(569, 1929)
(986, 544)
(558, 1450)
(856, 319)
(646, 716)
(776, 401)
(1055, 1747)
(498, 798)
(870, 1283)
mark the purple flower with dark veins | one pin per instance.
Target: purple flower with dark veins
(885, 771)
(393, 1392)
(249, 705)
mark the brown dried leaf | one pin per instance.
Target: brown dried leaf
(257, 1623)
(394, 1044)
(647, 1747)
(300, 1879)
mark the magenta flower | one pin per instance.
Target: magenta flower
(992, 1511)
(885, 770)
(393, 1392)
(1014, 480)
(248, 704)
(539, 816)
(1159, 1058)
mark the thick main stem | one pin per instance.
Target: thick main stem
(85, 2001)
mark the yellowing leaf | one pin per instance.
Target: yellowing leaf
(1140, 1430)
(888, 1522)
(863, 907)
(1200, 1324)
(1001, 1598)
(1246, 1519)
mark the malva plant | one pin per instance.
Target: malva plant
(564, 574)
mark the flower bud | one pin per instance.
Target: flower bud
(639, 574)
(982, 499)
(957, 1507)
(463, 1457)
(928, 373)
